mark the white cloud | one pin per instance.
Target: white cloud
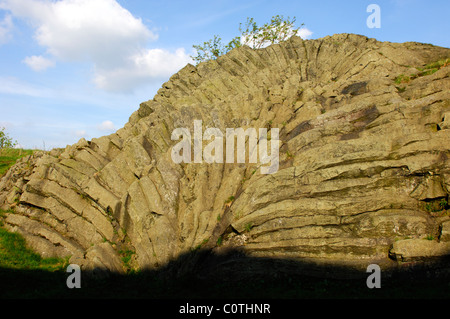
(106, 126)
(38, 63)
(6, 26)
(74, 30)
(147, 65)
(305, 33)
(101, 32)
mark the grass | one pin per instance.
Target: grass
(126, 258)
(426, 70)
(14, 254)
(8, 157)
(24, 273)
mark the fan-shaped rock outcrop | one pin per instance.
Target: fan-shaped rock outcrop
(364, 164)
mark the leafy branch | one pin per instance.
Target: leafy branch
(277, 30)
(5, 140)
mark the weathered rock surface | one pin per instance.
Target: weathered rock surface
(412, 249)
(361, 156)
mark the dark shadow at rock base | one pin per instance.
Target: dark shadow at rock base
(203, 275)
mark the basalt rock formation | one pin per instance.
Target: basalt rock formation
(364, 171)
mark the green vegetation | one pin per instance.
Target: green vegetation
(426, 70)
(400, 89)
(219, 241)
(229, 201)
(14, 254)
(9, 156)
(277, 30)
(289, 155)
(443, 204)
(438, 206)
(5, 141)
(199, 246)
(248, 227)
(403, 78)
(126, 256)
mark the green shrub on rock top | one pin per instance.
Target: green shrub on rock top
(277, 30)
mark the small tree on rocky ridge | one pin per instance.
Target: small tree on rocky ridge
(277, 30)
(5, 140)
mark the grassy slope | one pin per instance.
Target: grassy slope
(14, 253)
(9, 156)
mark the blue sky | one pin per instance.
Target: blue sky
(79, 68)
